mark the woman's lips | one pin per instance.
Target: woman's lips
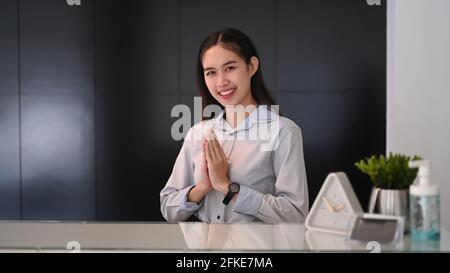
(227, 94)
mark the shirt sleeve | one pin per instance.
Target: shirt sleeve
(173, 197)
(290, 202)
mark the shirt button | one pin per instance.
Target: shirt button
(218, 217)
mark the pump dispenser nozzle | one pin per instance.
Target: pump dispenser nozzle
(424, 171)
(424, 187)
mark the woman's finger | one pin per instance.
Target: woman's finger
(208, 152)
(204, 154)
(214, 154)
(212, 151)
(218, 149)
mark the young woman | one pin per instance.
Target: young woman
(223, 172)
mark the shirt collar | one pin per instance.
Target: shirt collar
(262, 114)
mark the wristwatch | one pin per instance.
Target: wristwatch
(233, 189)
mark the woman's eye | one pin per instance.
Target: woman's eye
(229, 68)
(209, 73)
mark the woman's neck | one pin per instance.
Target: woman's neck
(235, 114)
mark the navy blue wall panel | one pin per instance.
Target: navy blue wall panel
(57, 88)
(137, 84)
(9, 113)
(331, 76)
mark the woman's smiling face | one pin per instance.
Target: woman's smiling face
(228, 76)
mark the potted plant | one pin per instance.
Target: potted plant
(391, 177)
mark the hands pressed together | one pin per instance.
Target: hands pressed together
(214, 169)
(215, 163)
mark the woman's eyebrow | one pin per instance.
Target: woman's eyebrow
(225, 64)
(228, 63)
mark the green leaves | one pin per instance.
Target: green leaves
(392, 172)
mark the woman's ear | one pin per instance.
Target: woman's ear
(254, 65)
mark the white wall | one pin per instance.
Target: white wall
(418, 79)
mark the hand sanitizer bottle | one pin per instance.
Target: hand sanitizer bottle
(424, 205)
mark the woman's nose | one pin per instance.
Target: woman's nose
(222, 80)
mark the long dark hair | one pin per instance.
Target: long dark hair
(238, 42)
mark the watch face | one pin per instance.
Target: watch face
(234, 188)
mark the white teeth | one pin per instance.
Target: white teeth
(224, 93)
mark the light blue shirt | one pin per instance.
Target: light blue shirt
(269, 168)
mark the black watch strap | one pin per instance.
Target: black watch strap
(233, 189)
